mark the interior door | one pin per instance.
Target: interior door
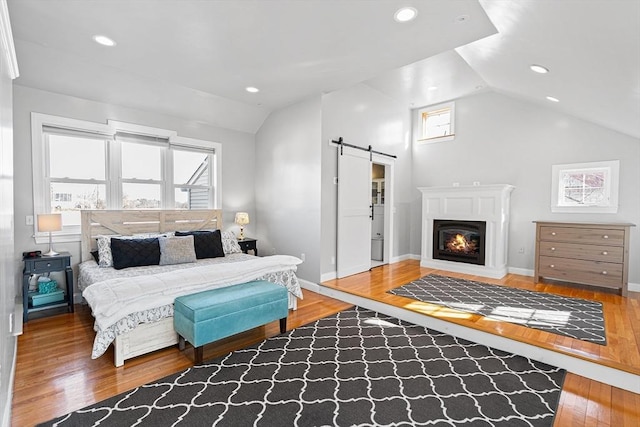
(354, 211)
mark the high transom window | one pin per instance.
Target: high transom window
(437, 123)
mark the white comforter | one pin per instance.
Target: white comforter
(114, 299)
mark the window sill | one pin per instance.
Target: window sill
(43, 238)
(437, 139)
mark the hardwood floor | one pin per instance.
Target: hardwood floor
(55, 374)
(622, 323)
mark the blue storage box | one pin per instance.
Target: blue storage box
(40, 299)
(47, 287)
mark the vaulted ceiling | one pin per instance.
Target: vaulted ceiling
(193, 59)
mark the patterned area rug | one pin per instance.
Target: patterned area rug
(573, 317)
(357, 367)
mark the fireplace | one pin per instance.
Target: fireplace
(465, 205)
(461, 241)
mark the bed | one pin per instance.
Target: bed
(133, 306)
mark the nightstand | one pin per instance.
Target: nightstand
(248, 244)
(41, 265)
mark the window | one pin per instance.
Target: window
(83, 165)
(585, 187)
(437, 123)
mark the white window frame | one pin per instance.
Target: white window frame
(451, 106)
(609, 205)
(41, 204)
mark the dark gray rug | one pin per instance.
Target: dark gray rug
(573, 317)
(357, 367)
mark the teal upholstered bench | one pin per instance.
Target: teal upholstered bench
(208, 316)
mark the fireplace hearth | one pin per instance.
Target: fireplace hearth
(460, 241)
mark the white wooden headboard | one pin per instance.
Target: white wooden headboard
(127, 222)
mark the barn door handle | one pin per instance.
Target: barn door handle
(371, 216)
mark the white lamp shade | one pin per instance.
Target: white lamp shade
(50, 222)
(242, 218)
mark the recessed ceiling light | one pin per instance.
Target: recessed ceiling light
(461, 18)
(552, 99)
(405, 14)
(432, 88)
(252, 89)
(104, 40)
(539, 69)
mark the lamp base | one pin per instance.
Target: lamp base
(241, 234)
(51, 253)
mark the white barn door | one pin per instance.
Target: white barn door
(354, 211)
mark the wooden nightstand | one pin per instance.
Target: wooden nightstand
(248, 244)
(41, 265)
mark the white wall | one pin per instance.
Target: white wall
(364, 116)
(287, 185)
(501, 140)
(238, 156)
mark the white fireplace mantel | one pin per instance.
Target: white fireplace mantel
(489, 203)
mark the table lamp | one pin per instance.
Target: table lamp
(50, 222)
(242, 219)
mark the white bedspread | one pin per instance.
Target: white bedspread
(114, 299)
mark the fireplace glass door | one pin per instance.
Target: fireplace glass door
(460, 241)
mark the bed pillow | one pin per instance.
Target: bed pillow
(230, 243)
(104, 251)
(135, 252)
(176, 250)
(208, 244)
(104, 246)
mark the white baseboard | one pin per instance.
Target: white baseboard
(520, 271)
(403, 258)
(313, 287)
(634, 287)
(328, 276)
(6, 418)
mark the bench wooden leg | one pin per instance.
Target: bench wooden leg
(283, 325)
(198, 353)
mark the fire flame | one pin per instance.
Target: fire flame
(460, 244)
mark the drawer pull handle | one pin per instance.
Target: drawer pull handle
(604, 272)
(605, 253)
(552, 266)
(605, 237)
(553, 249)
(48, 265)
(553, 233)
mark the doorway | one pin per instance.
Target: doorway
(377, 213)
(357, 210)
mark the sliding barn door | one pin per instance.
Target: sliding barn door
(354, 210)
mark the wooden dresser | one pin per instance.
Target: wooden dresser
(587, 253)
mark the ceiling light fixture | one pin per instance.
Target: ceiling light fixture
(552, 99)
(405, 14)
(252, 89)
(104, 40)
(539, 69)
(432, 88)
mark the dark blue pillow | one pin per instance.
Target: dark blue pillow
(135, 252)
(208, 244)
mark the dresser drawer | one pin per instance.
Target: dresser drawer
(579, 271)
(613, 254)
(42, 265)
(591, 236)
